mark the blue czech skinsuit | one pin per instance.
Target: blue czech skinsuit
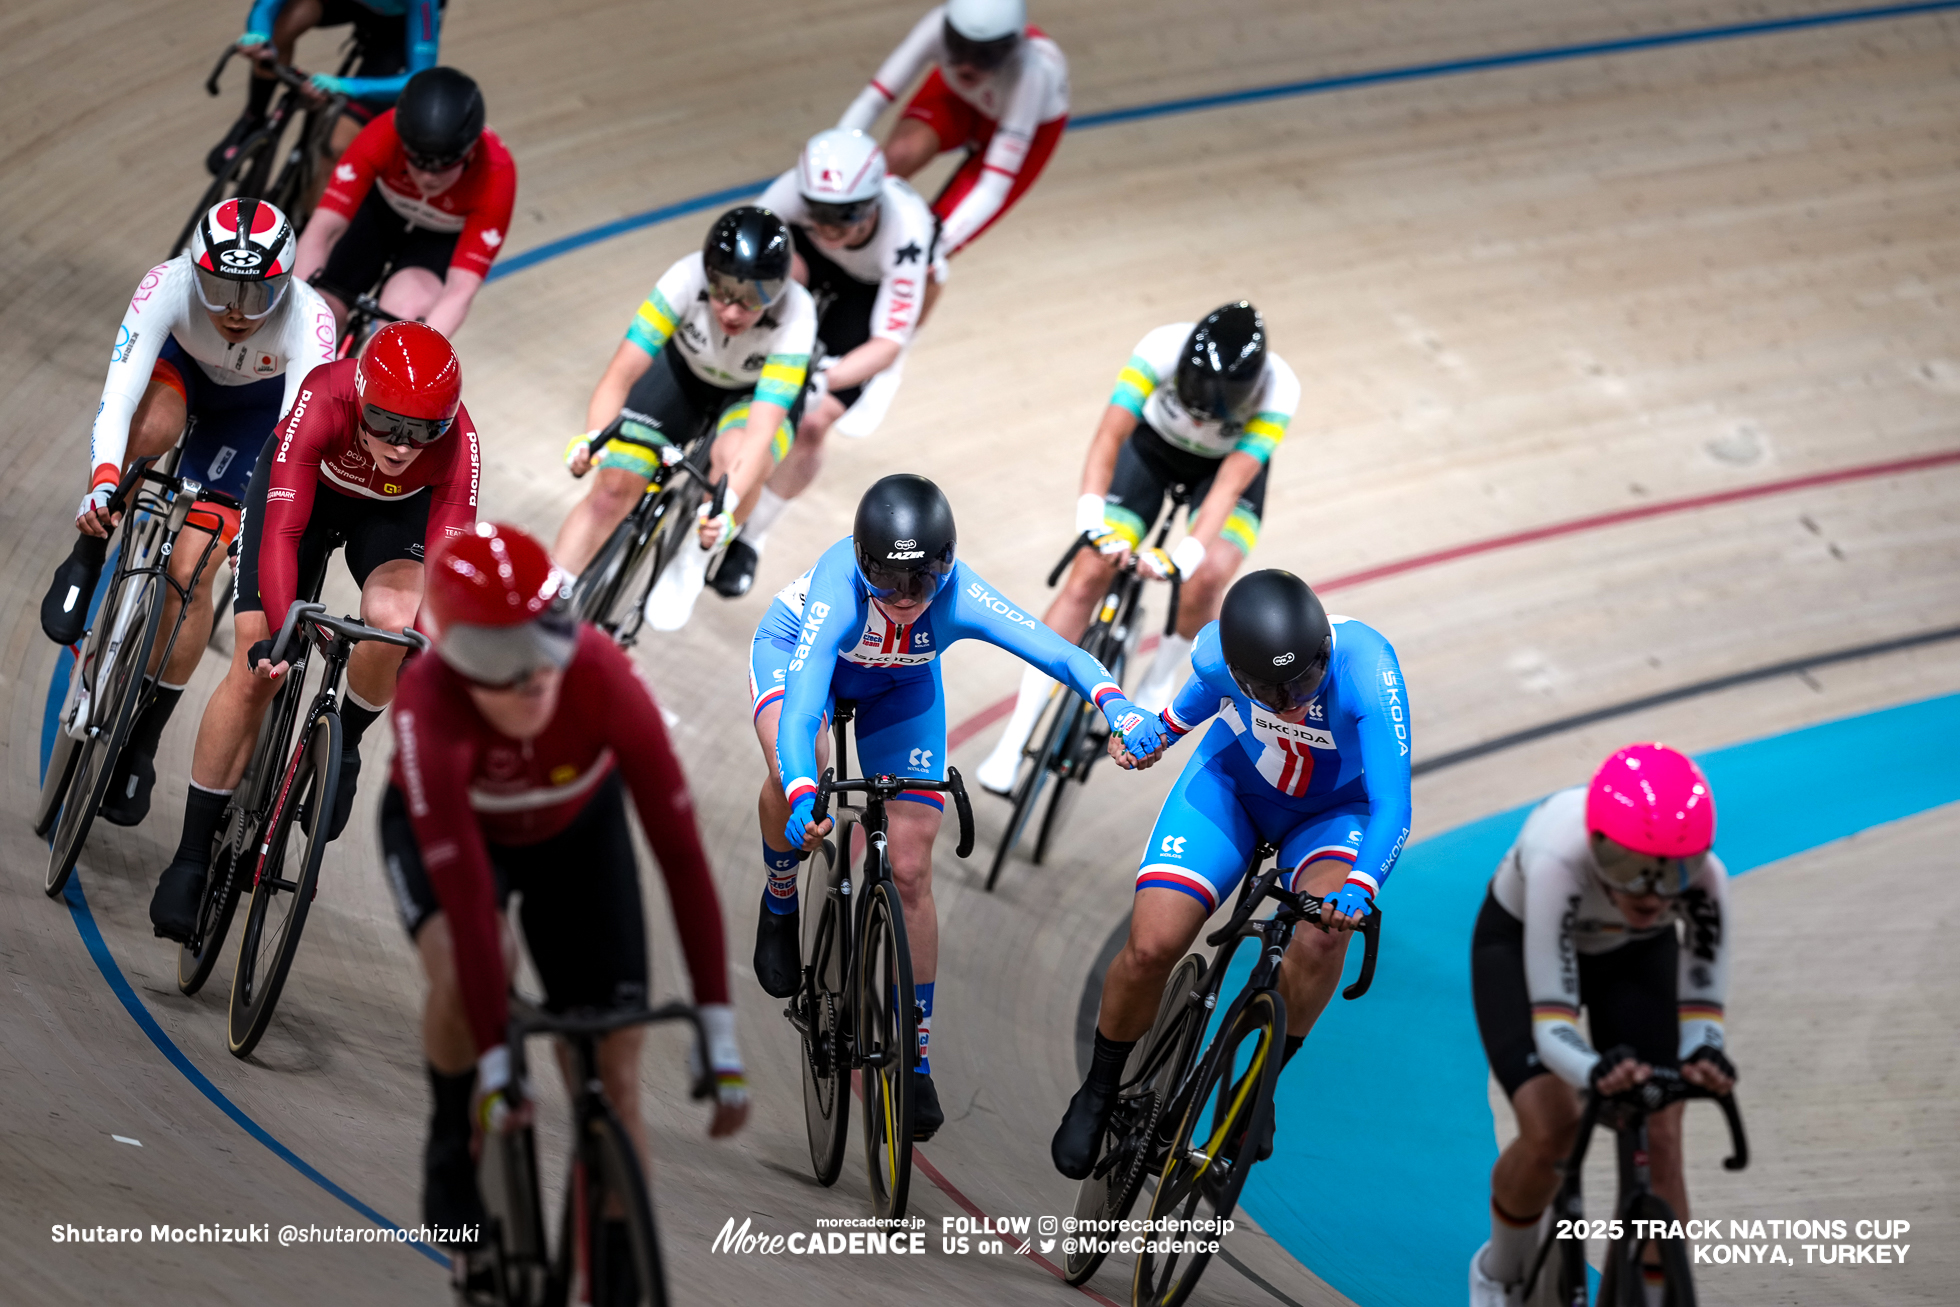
(1334, 786)
(823, 639)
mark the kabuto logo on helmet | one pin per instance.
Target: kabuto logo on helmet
(243, 260)
(1282, 660)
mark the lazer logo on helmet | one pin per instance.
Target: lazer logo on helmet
(902, 554)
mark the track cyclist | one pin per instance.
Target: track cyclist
(213, 349)
(998, 89)
(867, 624)
(724, 337)
(515, 748)
(1311, 754)
(865, 246)
(423, 194)
(399, 38)
(378, 454)
(1202, 405)
(1600, 874)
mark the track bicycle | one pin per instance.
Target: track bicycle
(604, 1183)
(1192, 1112)
(1072, 732)
(365, 316)
(249, 172)
(1621, 1282)
(109, 684)
(612, 591)
(856, 1009)
(275, 831)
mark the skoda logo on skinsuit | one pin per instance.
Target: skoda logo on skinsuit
(1283, 660)
(243, 259)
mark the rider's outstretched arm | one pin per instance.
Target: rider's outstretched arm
(895, 74)
(833, 614)
(423, 40)
(156, 309)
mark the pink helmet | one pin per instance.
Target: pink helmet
(1653, 800)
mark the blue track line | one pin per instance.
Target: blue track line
(1284, 90)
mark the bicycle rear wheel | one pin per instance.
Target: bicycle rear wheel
(280, 901)
(223, 887)
(137, 612)
(1621, 1281)
(1111, 1188)
(821, 1004)
(1078, 754)
(888, 1037)
(1213, 1149)
(612, 1177)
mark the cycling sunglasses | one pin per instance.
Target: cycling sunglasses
(904, 586)
(1642, 873)
(428, 163)
(505, 657)
(751, 295)
(254, 299)
(825, 214)
(400, 430)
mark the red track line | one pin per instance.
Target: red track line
(980, 721)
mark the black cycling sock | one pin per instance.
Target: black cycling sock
(1106, 1067)
(354, 721)
(259, 97)
(451, 1117)
(148, 731)
(1293, 1043)
(202, 811)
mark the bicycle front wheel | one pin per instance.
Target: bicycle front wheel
(1214, 1147)
(1108, 1191)
(283, 883)
(888, 1039)
(54, 781)
(615, 1195)
(137, 613)
(1622, 1280)
(821, 1014)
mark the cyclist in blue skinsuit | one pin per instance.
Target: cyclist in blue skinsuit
(1310, 752)
(399, 39)
(867, 623)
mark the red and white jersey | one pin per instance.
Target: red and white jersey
(468, 785)
(897, 259)
(1030, 89)
(478, 205)
(292, 340)
(1550, 881)
(320, 441)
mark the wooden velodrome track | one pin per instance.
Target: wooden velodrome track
(1516, 297)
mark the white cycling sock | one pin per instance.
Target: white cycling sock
(1167, 672)
(1511, 1245)
(1035, 685)
(768, 507)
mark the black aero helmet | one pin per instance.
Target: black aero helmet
(438, 117)
(1223, 364)
(982, 34)
(904, 537)
(1275, 638)
(747, 256)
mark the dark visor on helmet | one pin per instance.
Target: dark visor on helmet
(904, 584)
(1283, 696)
(435, 162)
(751, 295)
(1636, 873)
(825, 214)
(255, 299)
(399, 430)
(499, 657)
(982, 55)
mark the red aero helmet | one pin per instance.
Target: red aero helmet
(409, 384)
(1653, 800)
(500, 606)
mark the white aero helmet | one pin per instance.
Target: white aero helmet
(982, 34)
(840, 176)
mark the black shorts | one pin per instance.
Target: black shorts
(580, 912)
(1148, 466)
(844, 307)
(1628, 994)
(678, 406)
(375, 531)
(377, 244)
